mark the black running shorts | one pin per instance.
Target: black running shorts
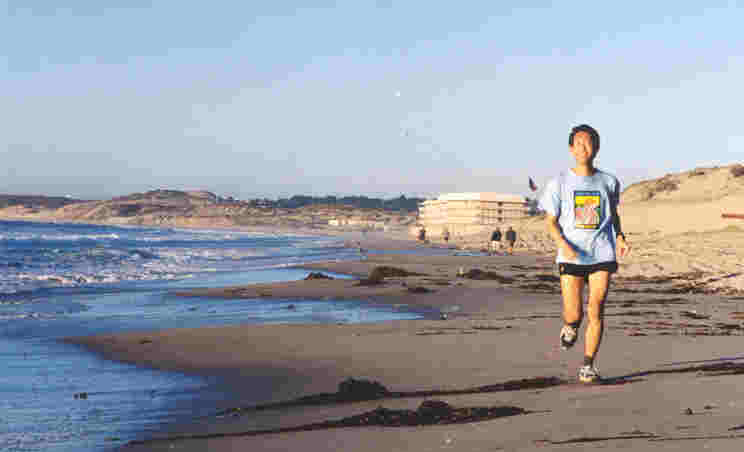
(586, 270)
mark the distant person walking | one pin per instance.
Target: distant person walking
(445, 235)
(511, 238)
(495, 241)
(581, 206)
(422, 234)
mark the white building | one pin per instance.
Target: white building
(466, 213)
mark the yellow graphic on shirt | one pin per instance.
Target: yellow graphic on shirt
(587, 211)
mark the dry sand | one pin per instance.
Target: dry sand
(496, 331)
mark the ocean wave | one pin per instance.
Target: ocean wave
(91, 255)
(319, 243)
(144, 254)
(30, 282)
(215, 253)
(60, 237)
(29, 315)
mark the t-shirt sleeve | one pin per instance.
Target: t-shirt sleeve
(550, 201)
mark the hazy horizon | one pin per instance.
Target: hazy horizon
(376, 98)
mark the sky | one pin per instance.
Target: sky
(379, 98)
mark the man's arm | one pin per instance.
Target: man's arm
(623, 248)
(554, 229)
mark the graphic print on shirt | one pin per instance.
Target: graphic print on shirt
(587, 209)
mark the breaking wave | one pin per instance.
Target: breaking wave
(43, 255)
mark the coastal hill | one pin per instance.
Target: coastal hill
(699, 184)
(174, 208)
(691, 201)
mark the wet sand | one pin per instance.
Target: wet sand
(671, 358)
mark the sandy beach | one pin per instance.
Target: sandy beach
(671, 360)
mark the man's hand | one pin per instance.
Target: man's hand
(623, 248)
(568, 252)
(564, 248)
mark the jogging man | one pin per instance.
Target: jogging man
(581, 206)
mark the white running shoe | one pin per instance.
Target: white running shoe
(588, 374)
(568, 337)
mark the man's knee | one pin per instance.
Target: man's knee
(595, 313)
(573, 317)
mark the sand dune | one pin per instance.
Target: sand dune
(699, 184)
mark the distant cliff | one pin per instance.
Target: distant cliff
(174, 208)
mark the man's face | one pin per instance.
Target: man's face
(582, 148)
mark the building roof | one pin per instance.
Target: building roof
(481, 196)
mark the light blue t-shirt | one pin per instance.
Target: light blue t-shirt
(584, 206)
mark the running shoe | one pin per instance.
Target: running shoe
(568, 337)
(588, 374)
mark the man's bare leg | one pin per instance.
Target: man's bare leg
(599, 284)
(572, 288)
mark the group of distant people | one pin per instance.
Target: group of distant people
(510, 237)
(422, 235)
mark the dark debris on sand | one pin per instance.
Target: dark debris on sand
(653, 301)
(419, 289)
(481, 275)
(430, 412)
(358, 390)
(693, 315)
(385, 271)
(694, 282)
(540, 287)
(378, 275)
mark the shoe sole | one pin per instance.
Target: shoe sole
(565, 345)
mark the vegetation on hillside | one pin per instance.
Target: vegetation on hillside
(36, 201)
(359, 202)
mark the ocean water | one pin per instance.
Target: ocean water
(59, 280)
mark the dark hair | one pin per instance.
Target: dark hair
(588, 129)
